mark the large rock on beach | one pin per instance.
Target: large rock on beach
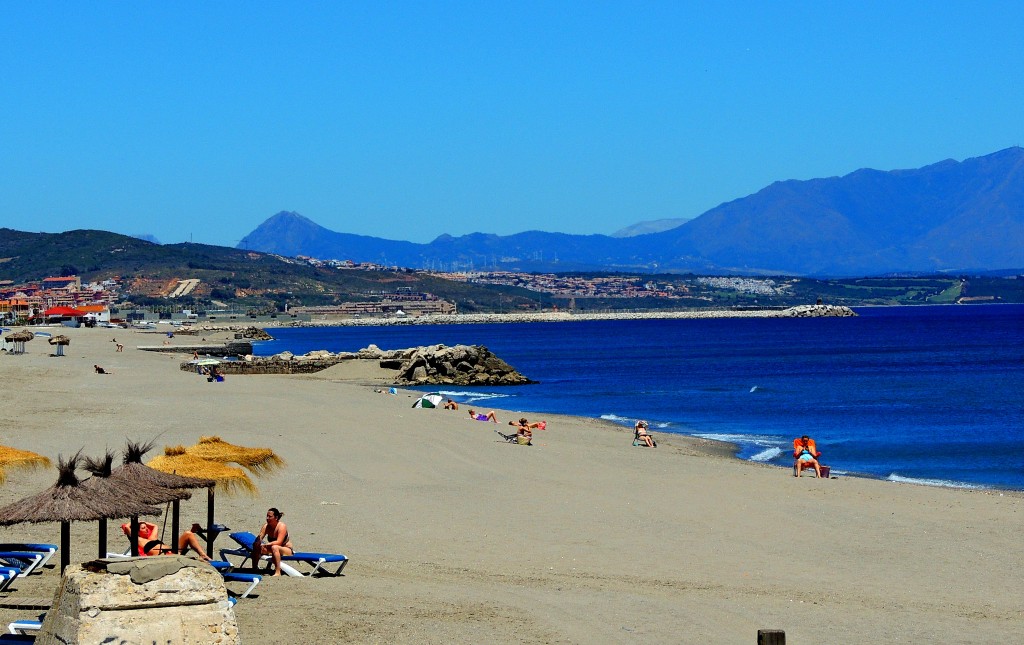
(458, 365)
(170, 599)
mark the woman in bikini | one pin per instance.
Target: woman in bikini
(150, 544)
(278, 543)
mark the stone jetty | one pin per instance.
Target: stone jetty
(433, 364)
(802, 311)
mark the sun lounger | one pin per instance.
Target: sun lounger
(47, 550)
(24, 626)
(25, 561)
(11, 639)
(318, 562)
(8, 576)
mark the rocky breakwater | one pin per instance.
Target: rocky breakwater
(441, 365)
(817, 311)
(430, 365)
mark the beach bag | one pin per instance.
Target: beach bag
(523, 441)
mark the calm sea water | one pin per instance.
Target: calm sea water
(928, 394)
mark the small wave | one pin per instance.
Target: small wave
(767, 455)
(616, 418)
(753, 389)
(944, 483)
(472, 397)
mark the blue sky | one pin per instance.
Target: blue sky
(404, 120)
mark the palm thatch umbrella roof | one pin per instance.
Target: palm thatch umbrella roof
(258, 461)
(59, 340)
(22, 336)
(133, 470)
(15, 458)
(102, 481)
(104, 478)
(229, 479)
(68, 501)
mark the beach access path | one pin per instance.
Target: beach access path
(458, 537)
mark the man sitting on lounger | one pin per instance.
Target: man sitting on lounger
(278, 542)
(150, 544)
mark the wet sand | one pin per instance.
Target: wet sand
(457, 537)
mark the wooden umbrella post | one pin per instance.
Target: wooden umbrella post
(210, 534)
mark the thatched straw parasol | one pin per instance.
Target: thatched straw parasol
(229, 479)
(60, 341)
(19, 338)
(67, 501)
(258, 461)
(137, 473)
(15, 458)
(102, 481)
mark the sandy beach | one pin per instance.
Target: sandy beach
(457, 537)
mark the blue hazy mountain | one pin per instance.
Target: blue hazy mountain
(949, 216)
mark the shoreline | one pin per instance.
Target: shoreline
(455, 536)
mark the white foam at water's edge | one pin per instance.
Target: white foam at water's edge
(767, 455)
(944, 483)
(473, 397)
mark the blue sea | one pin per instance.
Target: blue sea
(932, 395)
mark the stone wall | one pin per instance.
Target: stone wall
(169, 599)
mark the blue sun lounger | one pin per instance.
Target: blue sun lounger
(25, 561)
(7, 577)
(319, 562)
(46, 550)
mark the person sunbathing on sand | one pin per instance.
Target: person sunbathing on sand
(278, 542)
(642, 435)
(150, 544)
(483, 417)
(805, 454)
(100, 370)
(451, 405)
(540, 425)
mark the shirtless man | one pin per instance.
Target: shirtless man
(278, 543)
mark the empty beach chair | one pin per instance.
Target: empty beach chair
(320, 564)
(7, 577)
(46, 550)
(25, 561)
(251, 579)
(25, 626)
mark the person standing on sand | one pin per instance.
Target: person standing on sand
(278, 542)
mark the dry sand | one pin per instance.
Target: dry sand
(457, 537)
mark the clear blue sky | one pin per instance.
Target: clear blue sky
(404, 120)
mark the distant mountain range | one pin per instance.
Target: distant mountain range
(946, 217)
